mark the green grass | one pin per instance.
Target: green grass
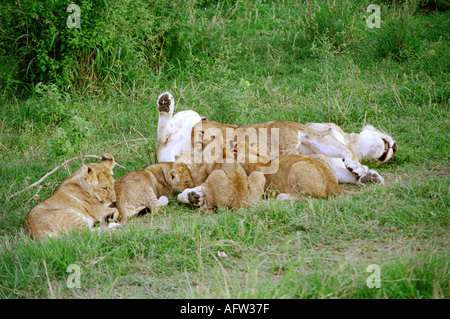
(242, 63)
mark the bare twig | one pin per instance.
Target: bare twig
(63, 164)
(52, 295)
(35, 195)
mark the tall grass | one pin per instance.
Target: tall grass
(236, 62)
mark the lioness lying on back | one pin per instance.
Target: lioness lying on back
(223, 185)
(296, 176)
(345, 150)
(287, 138)
(150, 187)
(79, 202)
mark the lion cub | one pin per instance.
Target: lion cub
(296, 176)
(300, 175)
(79, 202)
(223, 185)
(149, 187)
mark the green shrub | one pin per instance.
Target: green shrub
(116, 42)
(337, 20)
(398, 37)
(69, 137)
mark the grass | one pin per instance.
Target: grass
(314, 249)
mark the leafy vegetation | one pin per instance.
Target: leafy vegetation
(74, 91)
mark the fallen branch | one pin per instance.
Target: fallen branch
(54, 170)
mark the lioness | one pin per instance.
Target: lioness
(150, 187)
(296, 176)
(370, 144)
(223, 185)
(345, 151)
(80, 201)
(291, 138)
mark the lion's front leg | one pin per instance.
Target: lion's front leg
(342, 173)
(331, 147)
(256, 184)
(101, 213)
(111, 218)
(107, 217)
(346, 176)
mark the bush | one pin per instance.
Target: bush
(397, 37)
(117, 41)
(337, 21)
(49, 107)
(121, 42)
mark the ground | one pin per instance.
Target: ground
(257, 62)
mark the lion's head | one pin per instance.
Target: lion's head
(97, 179)
(375, 145)
(180, 177)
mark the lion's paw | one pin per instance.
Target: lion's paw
(164, 101)
(193, 196)
(356, 168)
(113, 225)
(196, 198)
(371, 177)
(284, 196)
(162, 201)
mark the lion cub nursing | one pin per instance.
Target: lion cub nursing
(150, 187)
(223, 185)
(80, 201)
(297, 176)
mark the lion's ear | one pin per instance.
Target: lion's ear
(91, 174)
(87, 176)
(172, 175)
(109, 161)
(264, 158)
(84, 170)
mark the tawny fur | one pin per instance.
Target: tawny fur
(148, 188)
(79, 202)
(288, 138)
(176, 142)
(297, 176)
(293, 138)
(223, 185)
